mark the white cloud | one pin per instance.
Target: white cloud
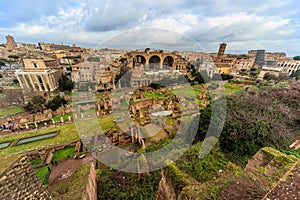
(269, 24)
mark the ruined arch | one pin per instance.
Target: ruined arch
(154, 62)
(168, 62)
(139, 59)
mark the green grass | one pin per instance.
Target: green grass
(202, 169)
(10, 110)
(169, 120)
(43, 174)
(35, 162)
(65, 117)
(184, 91)
(62, 154)
(295, 153)
(120, 185)
(67, 133)
(232, 88)
(107, 122)
(124, 104)
(154, 94)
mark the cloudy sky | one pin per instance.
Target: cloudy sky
(273, 25)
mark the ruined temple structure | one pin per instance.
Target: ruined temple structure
(155, 60)
(10, 43)
(39, 74)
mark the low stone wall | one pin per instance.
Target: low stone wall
(19, 181)
(43, 153)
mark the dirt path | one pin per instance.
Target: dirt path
(64, 170)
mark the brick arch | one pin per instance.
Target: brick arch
(168, 61)
(155, 62)
(138, 58)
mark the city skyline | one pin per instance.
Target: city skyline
(273, 26)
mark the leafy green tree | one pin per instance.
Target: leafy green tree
(15, 57)
(56, 102)
(261, 118)
(65, 84)
(226, 77)
(297, 58)
(36, 105)
(296, 74)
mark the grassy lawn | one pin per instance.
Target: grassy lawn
(35, 162)
(65, 117)
(107, 122)
(10, 110)
(154, 94)
(191, 90)
(184, 91)
(43, 174)
(67, 133)
(62, 154)
(232, 88)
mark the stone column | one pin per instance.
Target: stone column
(21, 84)
(161, 64)
(53, 81)
(31, 81)
(26, 82)
(38, 82)
(50, 83)
(114, 87)
(44, 83)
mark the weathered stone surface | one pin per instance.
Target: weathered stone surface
(19, 181)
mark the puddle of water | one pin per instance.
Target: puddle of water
(4, 145)
(35, 138)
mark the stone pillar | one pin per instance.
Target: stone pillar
(32, 83)
(53, 81)
(26, 82)
(114, 83)
(49, 82)
(45, 83)
(20, 82)
(38, 82)
(161, 64)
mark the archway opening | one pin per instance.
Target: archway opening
(139, 60)
(168, 62)
(154, 62)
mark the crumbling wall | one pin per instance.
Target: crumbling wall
(19, 181)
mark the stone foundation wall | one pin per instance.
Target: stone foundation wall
(90, 192)
(43, 153)
(19, 181)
